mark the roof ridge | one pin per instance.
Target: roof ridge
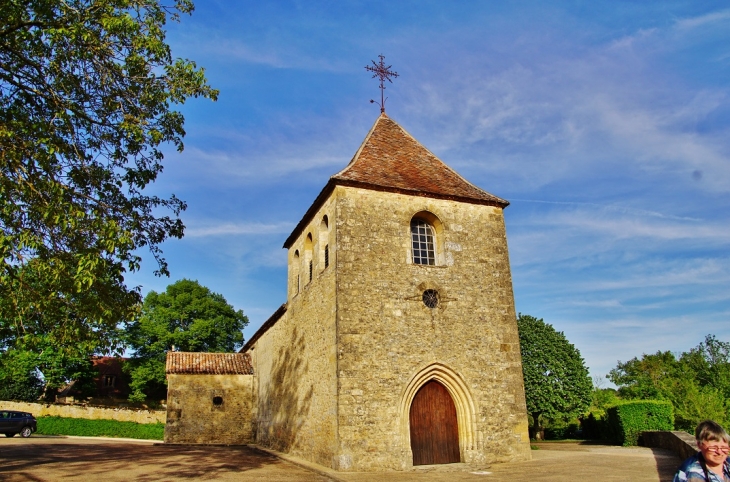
(362, 145)
(221, 363)
(444, 164)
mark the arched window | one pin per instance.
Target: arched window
(422, 242)
(308, 256)
(295, 283)
(324, 249)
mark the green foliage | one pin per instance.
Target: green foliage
(594, 426)
(557, 384)
(186, 316)
(593, 423)
(19, 378)
(147, 379)
(87, 91)
(697, 383)
(627, 420)
(694, 403)
(647, 378)
(710, 364)
(562, 431)
(100, 428)
(602, 398)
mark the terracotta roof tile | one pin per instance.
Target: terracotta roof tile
(208, 363)
(390, 159)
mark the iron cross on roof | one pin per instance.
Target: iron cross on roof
(383, 72)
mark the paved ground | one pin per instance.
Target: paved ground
(90, 460)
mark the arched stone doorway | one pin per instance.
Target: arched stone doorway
(434, 426)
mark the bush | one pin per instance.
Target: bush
(560, 433)
(627, 420)
(24, 390)
(100, 428)
(594, 426)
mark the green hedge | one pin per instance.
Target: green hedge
(627, 420)
(99, 428)
(594, 426)
(569, 431)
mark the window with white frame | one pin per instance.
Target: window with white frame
(422, 242)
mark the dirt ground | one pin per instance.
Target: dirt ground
(54, 458)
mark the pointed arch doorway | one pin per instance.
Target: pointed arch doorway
(434, 426)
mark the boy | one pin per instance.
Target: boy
(710, 463)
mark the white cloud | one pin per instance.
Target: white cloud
(703, 20)
(228, 229)
(617, 228)
(233, 167)
(565, 113)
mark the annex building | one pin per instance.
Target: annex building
(397, 344)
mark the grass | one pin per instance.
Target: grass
(99, 428)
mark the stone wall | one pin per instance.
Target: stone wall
(210, 409)
(681, 443)
(390, 343)
(294, 361)
(85, 411)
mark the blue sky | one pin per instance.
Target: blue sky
(605, 124)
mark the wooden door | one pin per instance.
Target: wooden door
(434, 430)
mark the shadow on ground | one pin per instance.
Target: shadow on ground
(41, 460)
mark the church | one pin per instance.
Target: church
(397, 344)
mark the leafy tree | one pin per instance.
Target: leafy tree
(87, 90)
(55, 344)
(557, 384)
(602, 398)
(697, 383)
(650, 377)
(19, 378)
(186, 317)
(710, 363)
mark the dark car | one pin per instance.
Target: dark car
(13, 423)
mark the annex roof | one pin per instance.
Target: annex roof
(193, 363)
(391, 160)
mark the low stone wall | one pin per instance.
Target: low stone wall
(81, 411)
(681, 443)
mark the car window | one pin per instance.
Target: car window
(4, 415)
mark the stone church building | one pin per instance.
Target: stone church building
(397, 345)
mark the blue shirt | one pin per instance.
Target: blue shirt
(691, 470)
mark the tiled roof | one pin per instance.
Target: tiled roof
(208, 363)
(390, 159)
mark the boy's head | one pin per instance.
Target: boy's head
(709, 431)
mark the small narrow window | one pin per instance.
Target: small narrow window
(108, 381)
(217, 401)
(324, 256)
(308, 258)
(295, 268)
(422, 242)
